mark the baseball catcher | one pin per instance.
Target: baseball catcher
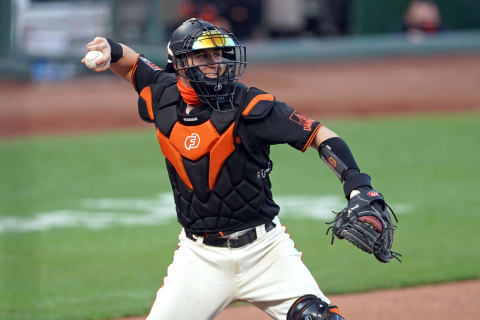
(215, 134)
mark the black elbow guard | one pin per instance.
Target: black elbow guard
(336, 154)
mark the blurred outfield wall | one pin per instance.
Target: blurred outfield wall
(44, 39)
(378, 16)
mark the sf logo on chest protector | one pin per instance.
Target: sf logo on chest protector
(192, 141)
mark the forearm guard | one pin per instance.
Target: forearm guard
(336, 154)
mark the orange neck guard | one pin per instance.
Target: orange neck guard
(188, 94)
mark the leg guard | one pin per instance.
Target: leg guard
(334, 313)
(310, 307)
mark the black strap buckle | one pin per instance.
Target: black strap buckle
(229, 245)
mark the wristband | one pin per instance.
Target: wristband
(356, 181)
(116, 51)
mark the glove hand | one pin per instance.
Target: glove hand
(365, 222)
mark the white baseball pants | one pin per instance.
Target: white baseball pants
(203, 280)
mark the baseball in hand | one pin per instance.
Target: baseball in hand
(91, 59)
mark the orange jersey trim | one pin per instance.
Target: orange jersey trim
(253, 103)
(134, 69)
(312, 137)
(174, 157)
(146, 95)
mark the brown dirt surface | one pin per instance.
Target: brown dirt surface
(430, 302)
(341, 89)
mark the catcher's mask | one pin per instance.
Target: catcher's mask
(195, 35)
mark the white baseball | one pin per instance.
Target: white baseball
(91, 59)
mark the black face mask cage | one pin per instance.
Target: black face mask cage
(217, 91)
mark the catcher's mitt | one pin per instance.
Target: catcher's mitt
(366, 223)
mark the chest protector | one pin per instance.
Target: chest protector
(219, 186)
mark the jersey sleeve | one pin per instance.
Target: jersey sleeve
(146, 73)
(282, 124)
(150, 82)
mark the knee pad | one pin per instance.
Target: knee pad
(310, 307)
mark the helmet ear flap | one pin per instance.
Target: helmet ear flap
(180, 60)
(169, 67)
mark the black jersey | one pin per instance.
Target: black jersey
(218, 162)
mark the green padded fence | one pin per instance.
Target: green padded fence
(379, 16)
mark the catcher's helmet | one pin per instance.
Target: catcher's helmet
(195, 35)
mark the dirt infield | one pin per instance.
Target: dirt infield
(400, 86)
(336, 89)
(431, 302)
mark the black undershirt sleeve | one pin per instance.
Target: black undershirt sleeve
(153, 80)
(146, 73)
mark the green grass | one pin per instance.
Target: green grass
(78, 274)
(427, 162)
(48, 173)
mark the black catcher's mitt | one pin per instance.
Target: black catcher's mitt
(366, 223)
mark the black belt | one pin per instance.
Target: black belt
(237, 242)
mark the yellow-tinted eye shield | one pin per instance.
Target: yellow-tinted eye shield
(212, 39)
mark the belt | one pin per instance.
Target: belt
(231, 242)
